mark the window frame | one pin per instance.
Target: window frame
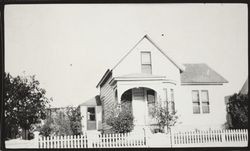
(146, 64)
(200, 103)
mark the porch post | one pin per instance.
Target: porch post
(119, 95)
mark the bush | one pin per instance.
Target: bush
(75, 118)
(121, 121)
(164, 117)
(238, 109)
(47, 128)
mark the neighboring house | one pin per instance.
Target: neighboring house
(244, 89)
(91, 112)
(146, 75)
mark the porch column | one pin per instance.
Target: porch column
(119, 95)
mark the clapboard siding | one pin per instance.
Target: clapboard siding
(107, 95)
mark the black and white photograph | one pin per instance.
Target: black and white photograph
(125, 75)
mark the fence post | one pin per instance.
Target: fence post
(90, 140)
(36, 138)
(223, 135)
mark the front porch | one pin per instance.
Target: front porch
(143, 94)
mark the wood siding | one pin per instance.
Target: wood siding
(107, 95)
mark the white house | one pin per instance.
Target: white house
(147, 75)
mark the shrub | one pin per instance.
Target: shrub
(164, 117)
(63, 122)
(75, 118)
(121, 121)
(238, 109)
(47, 128)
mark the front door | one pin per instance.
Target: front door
(138, 104)
(91, 118)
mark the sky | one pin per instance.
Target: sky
(70, 46)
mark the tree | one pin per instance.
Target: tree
(238, 109)
(65, 121)
(47, 128)
(163, 117)
(75, 118)
(61, 124)
(25, 102)
(121, 121)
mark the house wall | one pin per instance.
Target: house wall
(107, 95)
(215, 119)
(132, 63)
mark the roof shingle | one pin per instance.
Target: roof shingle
(95, 101)
(200, 73)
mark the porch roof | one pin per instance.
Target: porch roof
(95, 101)
(140, 75)
(201, 73)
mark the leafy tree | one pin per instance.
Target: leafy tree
(74, 116)
(121, 121)
(25, 102)
(65, 121)
(61, 124)
(163, 117)
(47, 128)
(238, 109)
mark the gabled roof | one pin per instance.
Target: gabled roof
(244, 89)
(104, 77)
(181, 68)
(95, 101)
(108, 72)
(201, 73)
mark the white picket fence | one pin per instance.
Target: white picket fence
(93, 141)
(119, 140)
(79, 141)
(210, 138)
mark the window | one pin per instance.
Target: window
(91, 113)
(172, 105)
(196, 102)
(166, 97)
(200, 98)
(146, 65)
(151, 96)
(205, 102)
